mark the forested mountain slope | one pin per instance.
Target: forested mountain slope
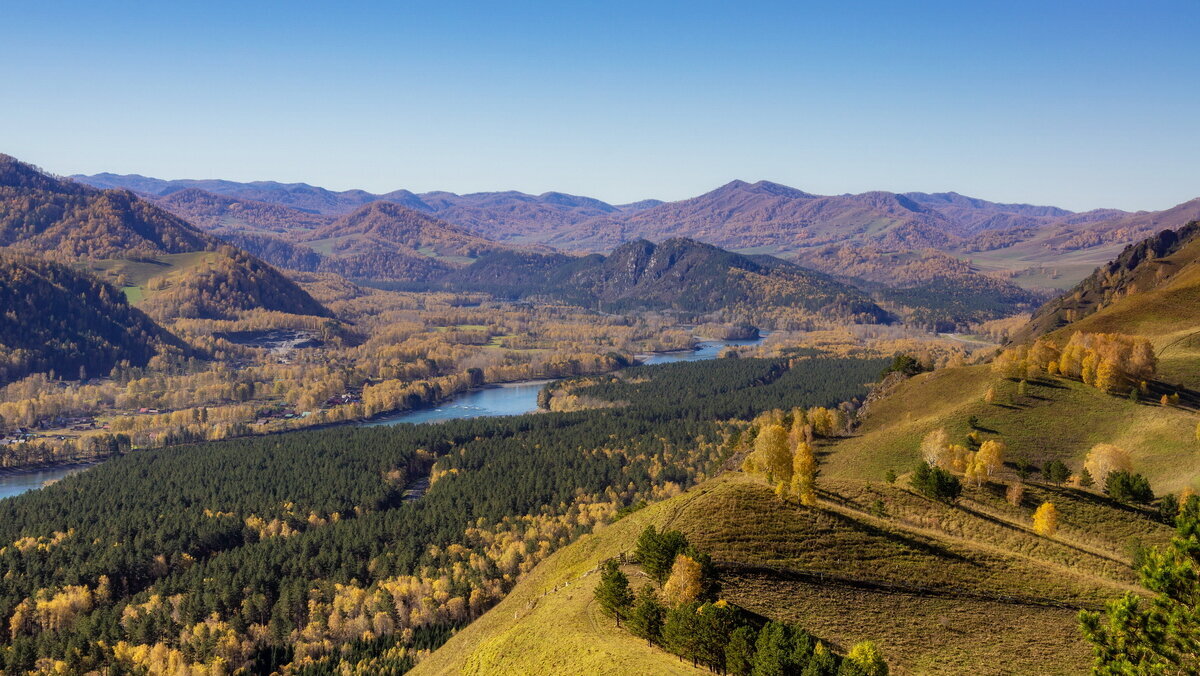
(302, 549)
(140, 248)
(65, 220)
(678, 274)
(59, 320)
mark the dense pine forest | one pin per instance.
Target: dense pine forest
(287, 549)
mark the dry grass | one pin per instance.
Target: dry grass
(945, 589)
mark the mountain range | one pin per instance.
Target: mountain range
(761, 217)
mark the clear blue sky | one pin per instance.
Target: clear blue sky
(1078, 104)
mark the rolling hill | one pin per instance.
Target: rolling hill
(966, 586)
(59, 320)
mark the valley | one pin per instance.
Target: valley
(875, 425)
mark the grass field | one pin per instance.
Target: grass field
(138, 273)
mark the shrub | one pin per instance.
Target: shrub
(1056, 472)
(1126, 487)
(936, 483)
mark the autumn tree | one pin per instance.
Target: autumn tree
(933, 446)
(868, 658)
(1103, 459)
(771, 453)
(1045, 520)
(685, 582)
(1015, 493)
(804, 474)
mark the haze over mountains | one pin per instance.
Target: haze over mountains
(761, 217)
(939, 260)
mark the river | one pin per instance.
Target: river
(521, 397)
(27, 480)
(506, 399)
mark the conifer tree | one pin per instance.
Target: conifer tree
(771, 650)
(613, 592)
(739, 652)
(646, 617)
(1160, 636)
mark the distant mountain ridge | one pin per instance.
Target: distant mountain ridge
(765, 216)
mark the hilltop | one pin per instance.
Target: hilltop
(61, 219)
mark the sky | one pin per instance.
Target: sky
(1076, 104)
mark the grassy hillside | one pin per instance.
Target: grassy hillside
(550, 624)
(1057, 419)
(141, 278)
(963, 589)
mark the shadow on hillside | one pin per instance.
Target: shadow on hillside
(1096, 499)
(892, 536)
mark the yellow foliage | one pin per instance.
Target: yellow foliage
(1045, 520)
(683, 586)
(1103, 459)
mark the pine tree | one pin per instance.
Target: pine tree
(1056, 472)
(613, 592)
(739, 652)
(1134, 636)
(656, 551)
(771, 650)
(646, 617)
